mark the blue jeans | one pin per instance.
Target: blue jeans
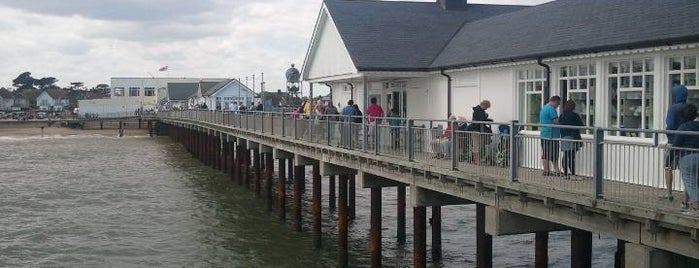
(689, 168)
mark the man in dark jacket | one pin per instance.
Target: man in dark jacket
(673, 122)
(478, 140)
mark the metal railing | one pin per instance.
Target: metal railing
(600, 165)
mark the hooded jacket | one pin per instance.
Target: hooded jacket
(673, 119)
(479, 115)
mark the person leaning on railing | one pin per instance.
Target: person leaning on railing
(549, 137)
(570, 144)
(673, 121)
(478, 140)
(685, 149)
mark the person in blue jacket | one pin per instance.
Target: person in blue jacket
(673, 122)
(686, 150)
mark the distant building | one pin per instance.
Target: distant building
(53, 100)
(7, 100)
(180, 93)
(148, 92)
(221, 95)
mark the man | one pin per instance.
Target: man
(479, 115)
(672, 122)
(347, 113)
(374, 112)
(233, 107)
(259, 107)
(549, 136)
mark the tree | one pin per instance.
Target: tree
(24, 81)
(46, 82)
(76, 85)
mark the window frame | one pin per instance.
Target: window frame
(625, 68)
(147, 89)
(591, 100)
(523, 78)
(682, 72)
(137, 90)
(119, 91)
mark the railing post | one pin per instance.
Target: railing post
(453, 147)
(411, 140)
(327, 119)
(296, 129)
(376, 137)
(514, 151)
(598, 163)
(247, 121)
(365, 134)
(283, 125)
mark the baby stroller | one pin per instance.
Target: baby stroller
(502, 152)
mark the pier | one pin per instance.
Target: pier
(510, 192)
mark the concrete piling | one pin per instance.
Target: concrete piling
(342, 253)
(269, 172)
(484, 243)
(375, 222)
(401, 215)
(316, 218)
(281, 189)
(420, 237)
(331, 193)
(541, 250)
(351, 196)
(619, 256)
(256, 170)
(298, 190)
(581, 249)
(436, 234)
(245, 168)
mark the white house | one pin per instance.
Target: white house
(617, 59)
(7, 100)
(148, 92)
(53, 100)
(221, 95)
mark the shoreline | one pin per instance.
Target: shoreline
(63, 131)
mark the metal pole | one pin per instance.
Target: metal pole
(365, 122)
(411, 140)
(599, 163)
(514, 151)
(453, 145)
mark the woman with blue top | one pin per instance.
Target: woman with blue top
(570, 144)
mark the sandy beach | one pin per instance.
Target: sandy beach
(62, 131)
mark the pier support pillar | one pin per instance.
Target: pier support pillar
(541, 250)
(342, 253)
(351, 198)
(225, 155)
(269, 172)
(436, 234)
(256, 170)
(281, 189)
(581, 249)
(299, 176)
(484, 241)
(401, 215)
(331, 193)
(317, 191)
(640, 256)
(619, 258)
(375, 230)
(245, 167)
(420, 237)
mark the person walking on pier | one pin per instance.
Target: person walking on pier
(395, 123)
(685, 150)
(672, 122)
(374, 114)
(549, 136)
(480, 130)
(347, 113)
(569, 145)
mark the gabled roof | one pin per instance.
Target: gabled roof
(385, 35)
(57, 94)
(567, 27)
(209, 86)
(181, 91)
(223, 84)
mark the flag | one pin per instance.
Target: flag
(164, 69)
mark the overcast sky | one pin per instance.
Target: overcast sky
(91, 41)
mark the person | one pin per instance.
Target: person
(319, 110)
(569, 145)
(478, 139)
(549, 136)
(260, 107)
(394, 122)
(685, 149)
(233, 107)
(331, 114)
(374, 114)
(347, 113)
(307, 109)
(442, 145)
(358, 115)
(672, 122)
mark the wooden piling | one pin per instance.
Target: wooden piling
(580, 249)
(256, 170)
(298, 177)
(436, 234)
(342, 253)
(351, 197)
(375, 229)
(420, 237)
(281, 189)
(541, 251)
(484, 243)
(269, 172)
(331, 193)
(316, 184)
(620, 255)
(401, 215)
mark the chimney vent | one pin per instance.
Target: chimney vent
(452, 4)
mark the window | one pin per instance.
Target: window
(149, 92)
(134, 91)
(578, 83)
(119, 91)
(684, 71)
(631, 94)
(530, 85)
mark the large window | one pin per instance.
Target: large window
(119, 91)
(578, 83)
(631, 94)
(149, 92)
(530, 85)
(684, 71)
(134, 91)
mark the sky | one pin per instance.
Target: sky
(91, 41)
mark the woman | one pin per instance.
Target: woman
(570, 144)
(442, 144)
(685, 148)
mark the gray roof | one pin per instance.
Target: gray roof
(223, 84)
(382, 35)
(567, 27)
(421, 36)
(181, 91)
(215, 87)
